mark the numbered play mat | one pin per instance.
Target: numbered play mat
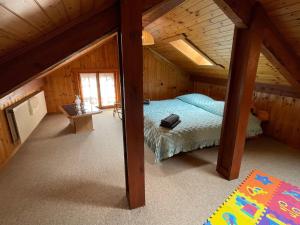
(260, 200)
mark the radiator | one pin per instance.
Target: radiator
(24, 117)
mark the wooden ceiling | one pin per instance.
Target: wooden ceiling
(205, 24)
(286, 15)
(24, 21)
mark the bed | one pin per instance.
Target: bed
(200, 127)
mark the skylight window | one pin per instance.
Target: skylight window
(192, 53)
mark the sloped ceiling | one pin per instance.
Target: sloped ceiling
(24, 21)
(286, 15)
(203, 23)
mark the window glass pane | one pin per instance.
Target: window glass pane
(89, 89)
(107, 89)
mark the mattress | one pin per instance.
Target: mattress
(199, 127)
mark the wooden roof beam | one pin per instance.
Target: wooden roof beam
(31, 62)
(275, 47)
(240, 12)
(159, 10)
(28, 65)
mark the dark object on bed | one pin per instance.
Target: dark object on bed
(170, 122)
(147, 102)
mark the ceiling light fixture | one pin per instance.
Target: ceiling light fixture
(147, 38)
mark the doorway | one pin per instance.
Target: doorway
(99, 89)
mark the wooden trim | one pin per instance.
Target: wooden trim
(95, 70)
(130, 45)
(243, 68)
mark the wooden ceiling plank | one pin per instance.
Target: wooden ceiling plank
(30, 12)
(275, 46)
(86, 6)
(72, 7)
(238, 11)
(160, 10)
(15, 25)
(43, 56)
(55, 10)
(32, 61)
(179, 14)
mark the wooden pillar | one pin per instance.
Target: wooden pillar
(243, 68)
(131, 69)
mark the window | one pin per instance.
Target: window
(89, 89)
(107, 89)
(191, 52)
(98, 89)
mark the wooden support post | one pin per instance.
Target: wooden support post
(131, 68)
(244, 61)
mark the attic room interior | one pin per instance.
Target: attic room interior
(150, 112)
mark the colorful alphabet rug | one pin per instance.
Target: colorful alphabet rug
(260, 200)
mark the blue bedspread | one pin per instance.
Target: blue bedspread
(199, 128)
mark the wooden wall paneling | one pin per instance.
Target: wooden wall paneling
(132, 77)
(283, 108)
(243, 69)
(284, 90)
(284, 124)
(162, 79)
(7, 148)
(60, 89)
(63, 83)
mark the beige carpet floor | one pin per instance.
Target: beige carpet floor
(60, 178)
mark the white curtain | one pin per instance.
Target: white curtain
(89, 88)
(107, 89)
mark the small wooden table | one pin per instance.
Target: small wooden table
(80, 119)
